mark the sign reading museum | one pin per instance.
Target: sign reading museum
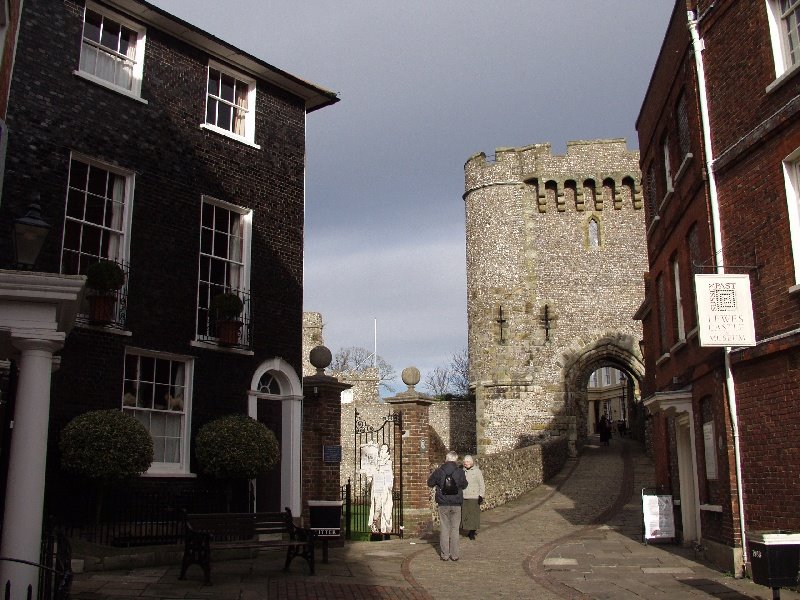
(724, 310)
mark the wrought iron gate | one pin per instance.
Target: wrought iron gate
(378, 477)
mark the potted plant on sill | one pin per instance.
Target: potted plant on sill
(226, 309)
(104, 279)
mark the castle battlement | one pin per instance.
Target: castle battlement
(592, 174)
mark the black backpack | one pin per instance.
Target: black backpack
(449, 487)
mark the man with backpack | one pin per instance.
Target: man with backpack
(449, 480)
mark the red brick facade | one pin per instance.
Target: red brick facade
(754, 131)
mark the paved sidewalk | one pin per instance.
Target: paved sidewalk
(576, 537)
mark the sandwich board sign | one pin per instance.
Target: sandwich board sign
(724, 310)
(659, 520)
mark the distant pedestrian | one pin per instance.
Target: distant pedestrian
(473, 498)
(604, 427)
(449, 500)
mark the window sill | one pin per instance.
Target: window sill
(662, 359)
(795, 289)
(653, 224)
(228, 134)
(219, 348)
(156, 474)
(711, 507)
(110, 86)
(678, 345)
(784, 77)
(666, 199)
(105, 328)
(684, 165)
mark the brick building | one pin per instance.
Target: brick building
(555, 256)
(180, 158)
(720, 138)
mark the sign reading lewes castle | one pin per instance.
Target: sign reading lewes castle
(725, 311)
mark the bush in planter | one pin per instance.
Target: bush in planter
(105, 446)
(105, 277)
(227, 306)
(236, 447)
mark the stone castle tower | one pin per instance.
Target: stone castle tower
(555, 260)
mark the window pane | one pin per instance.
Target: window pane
(213, 82)
(224, 113)
(145, 396)
(95, 208)
(211, 111)
(91, 27)
(97, 181)
(92, 241)
(75, 200)
(227, 85)
(127, 43)
(147, 368)
(110, 35)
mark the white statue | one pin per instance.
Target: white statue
(377, 466)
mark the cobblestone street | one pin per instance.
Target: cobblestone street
(576, 537)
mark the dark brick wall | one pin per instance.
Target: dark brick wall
(53, 112)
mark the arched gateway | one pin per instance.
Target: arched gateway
(555, 262)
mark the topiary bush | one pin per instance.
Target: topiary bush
(236, 447)
(227, 306)
(106, 445)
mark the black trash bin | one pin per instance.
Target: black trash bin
(774, 557)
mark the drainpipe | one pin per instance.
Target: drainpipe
(698, 46)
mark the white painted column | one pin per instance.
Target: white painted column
(22, 523)
(291, 453)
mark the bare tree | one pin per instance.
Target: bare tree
(459, 373)
(438, 381)
(355, 359)
(451, 381)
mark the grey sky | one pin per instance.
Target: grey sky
(424, 85)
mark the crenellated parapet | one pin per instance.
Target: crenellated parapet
(592, 175)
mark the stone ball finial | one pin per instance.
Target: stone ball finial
(320, 358)
(410, 377)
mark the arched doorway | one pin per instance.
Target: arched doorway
(275, 398)
(619, 353)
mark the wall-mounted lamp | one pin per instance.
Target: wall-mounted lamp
(30, 232)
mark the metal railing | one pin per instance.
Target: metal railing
(55, 570)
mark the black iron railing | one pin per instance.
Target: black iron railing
(54, 571)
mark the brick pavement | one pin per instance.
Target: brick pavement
(578, 536)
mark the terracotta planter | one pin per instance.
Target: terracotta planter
(102, 308)
(228, 332)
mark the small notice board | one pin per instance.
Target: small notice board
(658, 518)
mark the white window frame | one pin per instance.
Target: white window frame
(791, 175)
(250, 115)
(780, 40)
(676, 280)
(246, 225)
(138, 58)
(121, 250)
(165, 468)
(667, 164)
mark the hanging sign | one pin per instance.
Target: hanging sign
(725, 311)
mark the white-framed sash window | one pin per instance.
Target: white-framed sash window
(112, 50)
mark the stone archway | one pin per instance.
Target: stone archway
(617, 350)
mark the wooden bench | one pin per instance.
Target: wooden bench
(261, 530)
